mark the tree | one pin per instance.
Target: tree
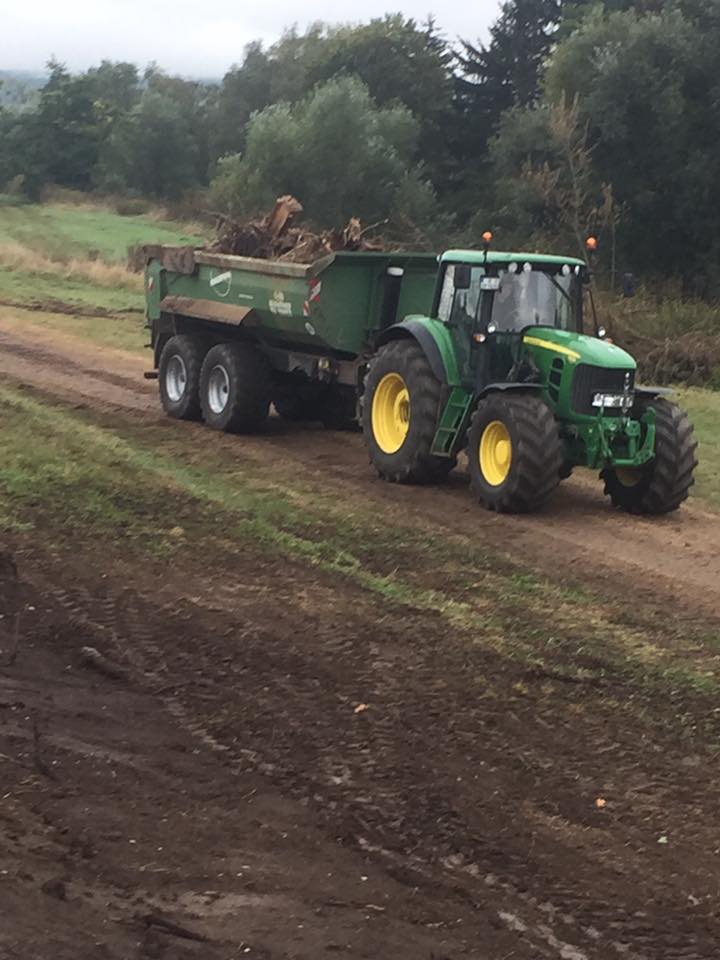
(68, 134)
(151, 149)
(506, 72)
(336, 150)
(546, 190)
(397, 59)
(648, 88)
(400, 61)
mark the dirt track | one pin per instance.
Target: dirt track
(455, 817)
(678, 555)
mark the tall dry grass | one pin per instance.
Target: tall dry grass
(15, 256)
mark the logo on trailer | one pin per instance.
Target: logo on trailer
(220, 283)
(279, 305)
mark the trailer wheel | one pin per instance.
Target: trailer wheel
(401, 407)
(235, 388)
(514, 453)
(179, 377)
(662, 485)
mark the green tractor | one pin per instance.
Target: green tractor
(502, 369)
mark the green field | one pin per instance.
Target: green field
(76, 253)
(65, 230)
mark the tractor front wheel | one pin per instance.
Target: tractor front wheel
(514, 452)
(663, 484)
(401, 409)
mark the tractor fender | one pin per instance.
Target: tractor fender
(502, 387)
(435, 342)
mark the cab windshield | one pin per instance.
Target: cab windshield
(526, 298)
(514, 297)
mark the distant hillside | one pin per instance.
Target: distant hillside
(19, 88)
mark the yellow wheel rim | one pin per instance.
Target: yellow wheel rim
(495, 453)
(391, 413)
(629, 476)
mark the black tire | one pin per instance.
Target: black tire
(235, 388)
(663, 485)
(412, 462)
(179, 376)
(533, 461)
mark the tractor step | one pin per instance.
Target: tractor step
(452, 422)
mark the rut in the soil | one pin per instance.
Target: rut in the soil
(484, 797)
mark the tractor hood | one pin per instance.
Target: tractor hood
(578, 348)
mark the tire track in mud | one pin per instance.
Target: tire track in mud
(576, 918)
(674, 558)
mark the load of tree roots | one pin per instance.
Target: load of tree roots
(276, 236)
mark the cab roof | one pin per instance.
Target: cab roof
(502, 257)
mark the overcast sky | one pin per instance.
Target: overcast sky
(188, 37)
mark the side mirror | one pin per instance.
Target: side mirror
(462, 276)
(629, 285)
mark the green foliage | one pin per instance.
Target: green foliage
(397, 59)
(336, 149)
(646, 86)
(506, 72)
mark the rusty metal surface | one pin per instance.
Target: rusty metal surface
(205, 309)
(268, 267)
(177, 259)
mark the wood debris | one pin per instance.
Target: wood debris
(277, 237)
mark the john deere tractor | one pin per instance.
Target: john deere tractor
(502, 369)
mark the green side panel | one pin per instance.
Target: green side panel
(334, 307)
(578, 348)
(418, 289)
(550, 348)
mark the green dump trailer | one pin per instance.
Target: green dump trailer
(479, 351)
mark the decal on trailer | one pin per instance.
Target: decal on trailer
(279, 305)
(220, 283)
(314, 297)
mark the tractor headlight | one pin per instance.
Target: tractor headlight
(613, 400)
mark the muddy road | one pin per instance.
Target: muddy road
(279, 764)
(676, 557)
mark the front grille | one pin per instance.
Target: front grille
(589, 380)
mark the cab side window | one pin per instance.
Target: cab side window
(459, 305)
(447, 294)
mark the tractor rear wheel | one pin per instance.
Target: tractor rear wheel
(515, 452)
(235, 388)
(179, 376)
(401, 408)
(663, 484)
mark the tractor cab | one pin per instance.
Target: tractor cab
(492, 300)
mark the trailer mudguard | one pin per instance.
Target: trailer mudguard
(436, 343)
